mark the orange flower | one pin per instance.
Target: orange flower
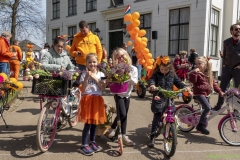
(165, 59)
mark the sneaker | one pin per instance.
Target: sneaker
(94, 146)
(152, 141)
(202, 129)
(127, 141)
(86, 150)
(110, 133)
(216, 108)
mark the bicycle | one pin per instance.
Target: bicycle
(167, 124)
(59, 108)
(188, 118)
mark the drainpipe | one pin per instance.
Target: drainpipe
(237, 11)
(209, 28)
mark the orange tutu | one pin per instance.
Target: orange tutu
(92, 110)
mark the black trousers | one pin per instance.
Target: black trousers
(227, 75)
(122, 105)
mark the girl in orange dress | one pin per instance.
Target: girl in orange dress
(92, 110)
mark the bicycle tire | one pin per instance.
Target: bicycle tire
(120, 145)
(45, 129)
(181, 112)
(72, 119)
(233, 134)
(170, 137)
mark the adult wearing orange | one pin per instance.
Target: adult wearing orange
(85, 42)
(5, 53)
(15, 61)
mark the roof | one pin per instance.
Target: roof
(24, 43)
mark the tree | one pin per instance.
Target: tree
(24, 18)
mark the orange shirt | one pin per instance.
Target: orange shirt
(5, 53)
(18, 50)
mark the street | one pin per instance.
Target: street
(19, 140)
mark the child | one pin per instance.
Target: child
(165, 77)
(203, 84)
(92, 110)
(123, 100)
(184, 66)
(177, 61)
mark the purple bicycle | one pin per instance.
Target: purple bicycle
(167, 124)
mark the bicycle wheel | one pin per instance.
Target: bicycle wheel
(72, 119)
(46, 127)
(170, 139)
(183, 111)
(226, 132)
(120, 145)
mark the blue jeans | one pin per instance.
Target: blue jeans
(81, 67)
(4, 67)
(206, 106)
(139, 68)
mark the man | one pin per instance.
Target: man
(193, 55)
(15, 61)
(85, 42)
(231, 62)
(5, 53)
(43, 51)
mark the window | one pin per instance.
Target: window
(116, 2)
(146, 22)
(91, 5)
(72, 7)
(92, 26)
(213, 33)
(55, 33)
(71, 31)
(56, 9)
(178, 30)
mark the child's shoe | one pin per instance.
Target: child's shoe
(110, 133)
(86, 150)
(94, 146)
(202, 128)
(152, 141)
(127, 141)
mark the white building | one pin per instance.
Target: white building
(180, 24)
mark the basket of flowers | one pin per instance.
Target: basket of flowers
(103, 128)
(117, 77)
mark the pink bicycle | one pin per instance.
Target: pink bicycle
(62, 106)
(188, 118)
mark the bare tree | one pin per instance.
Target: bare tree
(25, 18)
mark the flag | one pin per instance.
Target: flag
(127, 10)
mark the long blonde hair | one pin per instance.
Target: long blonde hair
(125, 54)
(208, 69)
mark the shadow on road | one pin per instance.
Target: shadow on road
(30, 110)
(195, 137)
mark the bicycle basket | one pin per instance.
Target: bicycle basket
(234, 101)
(51, 86)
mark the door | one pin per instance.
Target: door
(115, 40)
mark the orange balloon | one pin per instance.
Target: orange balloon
(138, 55)
(129, 27)
(135, 15)
(129, 43)
(142, 33)
(127, 17)
(136, 29)
(142, 61)
(130, 32)
(144, 39)
(136, 23)
(149, 67)
(143, 44)
(138, 40)
(146, 50)
(133, 36)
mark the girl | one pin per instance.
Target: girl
(183, 67)
(123, 100)
(203, 84)
(92, 110)
(165, 77)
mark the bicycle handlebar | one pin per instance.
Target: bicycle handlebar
(169, 93)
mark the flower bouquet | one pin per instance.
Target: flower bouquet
(117, 77)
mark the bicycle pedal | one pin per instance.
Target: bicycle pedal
(6, 107)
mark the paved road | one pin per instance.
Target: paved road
(19, 140)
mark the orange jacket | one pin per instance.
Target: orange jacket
(85, 45)
(5, 53)
(18, 50)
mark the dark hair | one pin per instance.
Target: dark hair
(15, 41)
(46, 45)
(57, 40)
(231, 27)
(193, 50)
(83, 24)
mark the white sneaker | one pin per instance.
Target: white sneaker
(127, 141)
(111, 133)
